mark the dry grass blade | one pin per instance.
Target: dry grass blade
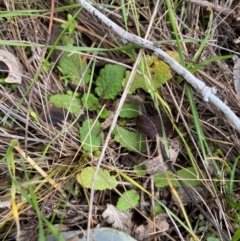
(40, 170)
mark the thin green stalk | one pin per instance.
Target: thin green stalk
(232, 175)
(124, 14)
(206, 39)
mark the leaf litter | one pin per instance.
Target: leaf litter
(65, 152)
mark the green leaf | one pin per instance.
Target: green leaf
(156, 71)
(214, 239)
(74, 69)
(67, 41)
(69, 24)
(70, 17)
(157, 210)
(160, 179)
(103, 181)
(187, 174)
(90, 102)
(133, 141)
(129, 110)
(90, 135)
(109, 81)
(128, 200)
(33, 114)
(235, 205)
(104, 114)
(140, 170)
(236, 235)
(68, 102)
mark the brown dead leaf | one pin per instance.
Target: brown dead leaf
(150, 126)
(13, 65)
(119, 220)
(108, 121)
(155, 165)
(5, 204)
(158, 164)
(144, 231)
(53, 114)
(198, 193)
(173, 148)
